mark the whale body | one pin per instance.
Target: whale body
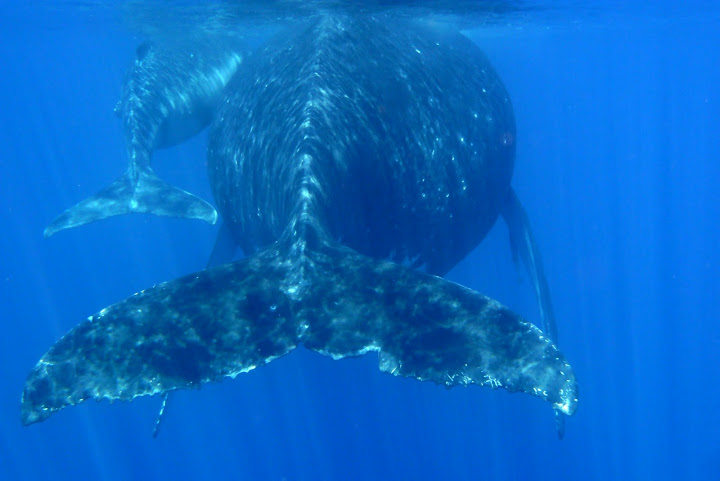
(354, 160)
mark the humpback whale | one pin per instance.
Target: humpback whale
(169, 94)
(355, 161)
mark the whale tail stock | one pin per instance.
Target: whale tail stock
(232, 318)
(142, 192)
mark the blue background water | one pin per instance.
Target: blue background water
(618, 143)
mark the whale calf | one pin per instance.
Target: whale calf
(355, 160)
(169, 94)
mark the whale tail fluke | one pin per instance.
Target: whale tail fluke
(177, 335)
(143, 192)
(429, 328)
(232, 318)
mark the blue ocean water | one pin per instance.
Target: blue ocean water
(618, 114)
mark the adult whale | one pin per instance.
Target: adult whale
(169, 94)
(341, 152)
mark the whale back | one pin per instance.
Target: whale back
(173, 87)
(406, 136)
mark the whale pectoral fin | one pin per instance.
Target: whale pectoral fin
(523, 245)
(179, 334)
(431, 329)
(144, 193)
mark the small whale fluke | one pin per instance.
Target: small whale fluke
(144, 192)
(231, 319)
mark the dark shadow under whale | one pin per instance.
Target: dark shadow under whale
(354, 161)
